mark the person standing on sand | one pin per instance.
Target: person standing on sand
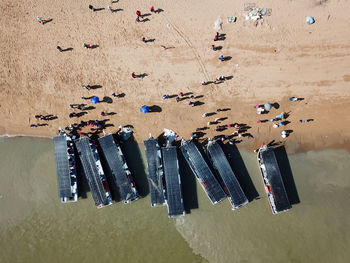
(39, 19)
(143, 39)
(216, 38)
(152, 9)
(87, 45)
(92, 8)
(59, 48)
(133, 75)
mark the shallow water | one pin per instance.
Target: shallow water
(36, 227)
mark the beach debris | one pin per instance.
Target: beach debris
(256, 14)
(144, 109)
(231, 19)
(310, 20)
(218, 24)
(95, 100)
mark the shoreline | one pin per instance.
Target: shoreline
(290, 149)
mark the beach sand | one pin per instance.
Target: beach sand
(279, 58)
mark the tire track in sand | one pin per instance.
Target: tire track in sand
(194, 51)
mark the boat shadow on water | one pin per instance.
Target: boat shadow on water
(240, 170)
(83, 186)
(287, 175)
(188, 183)
(133, 157)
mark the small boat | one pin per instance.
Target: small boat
(272, 180)
(66, 167)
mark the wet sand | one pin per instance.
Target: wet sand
(279, 58)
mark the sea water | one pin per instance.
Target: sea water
(36, 227)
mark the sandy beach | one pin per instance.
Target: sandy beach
(280, 57)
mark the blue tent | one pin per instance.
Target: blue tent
(144, 109)
(95, 100)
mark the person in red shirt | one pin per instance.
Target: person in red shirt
(138, 13)
(216, 37)
(133, 75)
(152, 9)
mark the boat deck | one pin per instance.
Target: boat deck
(202, 171)
(273, 180)
(155, 172)
(220, 163)
(119, 169)
(91, 171)
(173, 182)
(62, 167)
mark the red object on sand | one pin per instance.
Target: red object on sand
(133, 75)
(216, 37)
(138, 13)
(152, 9)
(181, 94)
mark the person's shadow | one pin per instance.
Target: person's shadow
(47, 21)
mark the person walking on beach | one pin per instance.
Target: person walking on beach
(92, 8)
(205, 114)
(39, 19)
(181, 94)
(133, 75)
(59, 48)
(216, 38)
(221, 58)
(143, 39)
(152, 9)
(87, 45)
(87, 87)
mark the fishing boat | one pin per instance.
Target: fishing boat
(273, 183)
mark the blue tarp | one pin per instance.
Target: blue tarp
(95, 100)
(144, 109)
